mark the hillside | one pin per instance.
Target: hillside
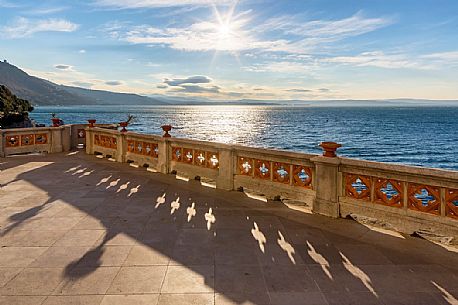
(101, 97)
(36, 90)
(13, 110)
(45, 93)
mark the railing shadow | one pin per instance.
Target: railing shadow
(263, 253)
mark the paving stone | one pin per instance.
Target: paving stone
(34, 281)
(140, 279)
(21, 300)
(92, 246)
(19, 256)
(82, 281)
(60, 256)
(77, 238)
(186, 299)
(31, 238)
(6, 274)
(154, 254)
(74, 300)
(188, 279)
(146, 299)
(105, 256)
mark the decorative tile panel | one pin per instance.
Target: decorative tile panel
(105, 141)
(212, 160)
(424, 198)
(41, 138)
(81, 133)
(27, 139)
(302, 176)
(12, 141)
(201, 158)
(131, 146)
(262, 169)
(388, 192)
(150, 149)
(177, 154)
(245, 166)
(451, 199)
(358, 186)
(139, 148)
(281, 172)
(188, 155)
(113, 143)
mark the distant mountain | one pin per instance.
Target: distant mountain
(36, 90)
(101, 97)
(42, 92)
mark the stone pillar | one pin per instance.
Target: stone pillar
(225, 179)
(121, 145)
(327, 182)
(89, 141)
(66, 137)
(163, 160)
(56, 139)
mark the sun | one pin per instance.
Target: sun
(224, 30)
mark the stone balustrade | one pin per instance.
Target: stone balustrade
(409, 198)
(33, 140)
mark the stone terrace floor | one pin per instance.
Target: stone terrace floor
(80, 230)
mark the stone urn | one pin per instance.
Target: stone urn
(166, 129)
(91, 122)
(55, 122)
(329, 148)
(123, 125)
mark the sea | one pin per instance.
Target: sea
(421, 136)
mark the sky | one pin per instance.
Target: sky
(247, 49)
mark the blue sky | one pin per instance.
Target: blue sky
(256, 49)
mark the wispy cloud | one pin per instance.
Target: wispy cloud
(236, 33)
(45, 10)
(23, 27)
(443, 56)
(8, 4)
(282, 67)
(381, 60)
(132, 4)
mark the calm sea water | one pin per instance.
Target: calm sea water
(425, 136)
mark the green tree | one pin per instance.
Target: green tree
(13, 110)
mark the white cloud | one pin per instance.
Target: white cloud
(381, 60)
(23, 27)
(82, 51)
(443, 56)
(236, 33)
(127, 4)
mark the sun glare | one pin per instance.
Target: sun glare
(224, 30)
